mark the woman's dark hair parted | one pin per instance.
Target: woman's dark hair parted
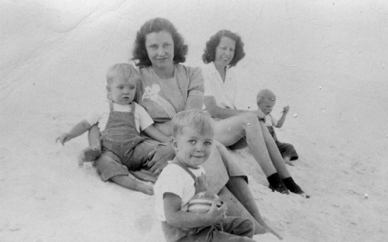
(212, 43)
(155, 26)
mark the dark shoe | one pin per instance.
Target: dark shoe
(293, 187)
(281, 188)
(276, 184)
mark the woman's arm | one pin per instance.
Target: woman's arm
(194, 100)
(155, 134)
(222, 113)
(216, 111)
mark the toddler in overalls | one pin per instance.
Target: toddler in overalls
(123, 148)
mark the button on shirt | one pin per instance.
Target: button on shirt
(223, 92)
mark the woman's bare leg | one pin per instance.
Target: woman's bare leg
(239, 188)
(235, 208)
(274, 153)
(230, 131)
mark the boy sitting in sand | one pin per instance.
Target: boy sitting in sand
(120, 120)
(176, 186)
(266, 100)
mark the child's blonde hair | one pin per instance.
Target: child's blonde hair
(196, 119)
(122, 70)
(265, 94)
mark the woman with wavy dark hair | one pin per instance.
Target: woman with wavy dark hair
(156, 25)
(239, 128)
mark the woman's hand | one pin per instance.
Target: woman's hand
(260, 115)
(160, 156)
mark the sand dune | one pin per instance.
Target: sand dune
(326, 59)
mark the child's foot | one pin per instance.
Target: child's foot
(91, 154)
(144, 188)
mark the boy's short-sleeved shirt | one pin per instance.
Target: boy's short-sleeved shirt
(270, 121)
(101, 114)
(224, 92)
(174, 179)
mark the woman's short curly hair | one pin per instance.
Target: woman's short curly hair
(210, 51)
(155, 26)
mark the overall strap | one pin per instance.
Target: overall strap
(184, 168)
(133, 106)
(110, 105)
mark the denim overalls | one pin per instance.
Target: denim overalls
(120, 136)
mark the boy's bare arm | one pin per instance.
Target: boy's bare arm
(154, 133)
(74, 132)
(282, 119)
(181, 219)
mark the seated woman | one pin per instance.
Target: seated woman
(239, 128)
(167, 88)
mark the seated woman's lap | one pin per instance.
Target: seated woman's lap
(231, 130)
(220, 167)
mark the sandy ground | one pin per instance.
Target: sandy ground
(326, 59)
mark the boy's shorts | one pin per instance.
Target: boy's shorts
(229, 229)
(109, 163)
(287, 149)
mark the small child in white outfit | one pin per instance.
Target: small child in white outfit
(176, 186)
(266, 100)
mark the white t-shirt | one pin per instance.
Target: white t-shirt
(101, 114)
(270, 121)
(174, 179)
(224, 92)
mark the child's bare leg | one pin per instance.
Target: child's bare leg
(130, 182)
(144, 175)
(92, 152)
(94, 137)
(239, 187)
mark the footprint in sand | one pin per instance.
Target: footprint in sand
(144, 223)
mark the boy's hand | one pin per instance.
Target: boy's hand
(63, 138)
(200, 184)
(286, 109)
(217, 211)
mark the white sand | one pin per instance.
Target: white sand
(326, 59)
